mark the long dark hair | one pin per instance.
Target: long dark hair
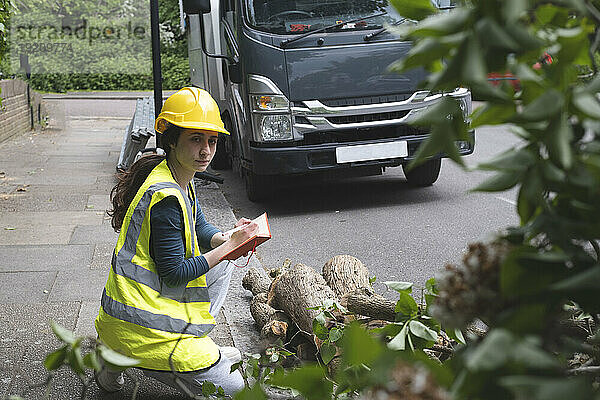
(131, 180)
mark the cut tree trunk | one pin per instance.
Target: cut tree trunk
(273, 324)
(256, 280)
(275, 272)
(345, 274)
(374, 305)
(298, 289)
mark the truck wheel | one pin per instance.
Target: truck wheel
(258, 187)
(425, 174)
(222, 158)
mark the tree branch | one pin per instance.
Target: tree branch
(594, 370)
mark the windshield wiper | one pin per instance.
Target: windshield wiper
(377, 32)
(372, 35)
(326, 28)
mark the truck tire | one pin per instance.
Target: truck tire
(258, 187)
(425, 174)
(222, 158)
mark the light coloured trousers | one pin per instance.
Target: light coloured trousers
(217, 280)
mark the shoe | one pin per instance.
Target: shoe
(109, 381)
(231, 353)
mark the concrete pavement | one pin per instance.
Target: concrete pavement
(55, 247)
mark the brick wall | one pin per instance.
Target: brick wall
(18, 104)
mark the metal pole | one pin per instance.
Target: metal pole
(156, 71)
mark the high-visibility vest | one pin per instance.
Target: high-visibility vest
(140, 316)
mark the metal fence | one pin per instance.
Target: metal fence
(137, 134)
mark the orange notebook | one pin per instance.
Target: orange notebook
(263, 234)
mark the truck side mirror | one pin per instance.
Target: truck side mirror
(235, 73)
(196, 6)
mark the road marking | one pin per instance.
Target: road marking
(507, 200)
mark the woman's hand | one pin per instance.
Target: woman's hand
(242, 221)
(244, 231)
(238, 225)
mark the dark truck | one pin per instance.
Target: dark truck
(304, 88)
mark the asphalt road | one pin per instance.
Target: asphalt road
(397, 231)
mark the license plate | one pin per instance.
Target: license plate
(367, 152)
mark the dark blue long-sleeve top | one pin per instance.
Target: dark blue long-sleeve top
(167, 243)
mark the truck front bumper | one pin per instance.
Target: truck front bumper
(322, 157)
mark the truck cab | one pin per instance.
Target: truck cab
(304, 88)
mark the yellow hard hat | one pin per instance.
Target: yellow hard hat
(193, 108)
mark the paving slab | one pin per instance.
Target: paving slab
(81, 158)
(64, 188)
(85, 320)
(56, 218)
(16, 160)
(107, 181)
(86, 234)
(47, 179)
(78, 285)
(91, 166)
(12, 351)
(98, 203)
(28, 326)
(5, 381)
(39, 199)
(30, 321)
(44, 257)
(102, 256)
(38, 286)
(13, 234)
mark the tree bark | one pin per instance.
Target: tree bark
(275, 272)
(256, 280)
(345, 274)
(274, 330)
(298, 289)
(374, 306)
(273, 324)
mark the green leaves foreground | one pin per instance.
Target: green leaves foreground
(543, 275)
(71, 355)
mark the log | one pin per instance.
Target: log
(261, 298)
(374, 305)
(345, 274)
(256, 280)
(261, 311)
(275, 272)
(298, 289)
(274, 330)
(273, 324)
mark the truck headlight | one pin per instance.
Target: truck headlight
(464, 101)
(270, 103)
(271, 117)
(273, 127)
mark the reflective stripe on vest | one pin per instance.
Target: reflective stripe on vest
(151, 320)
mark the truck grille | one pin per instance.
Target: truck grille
(359, 101)
(355, 135)
(349, 119)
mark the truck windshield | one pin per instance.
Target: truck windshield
(301, 16)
